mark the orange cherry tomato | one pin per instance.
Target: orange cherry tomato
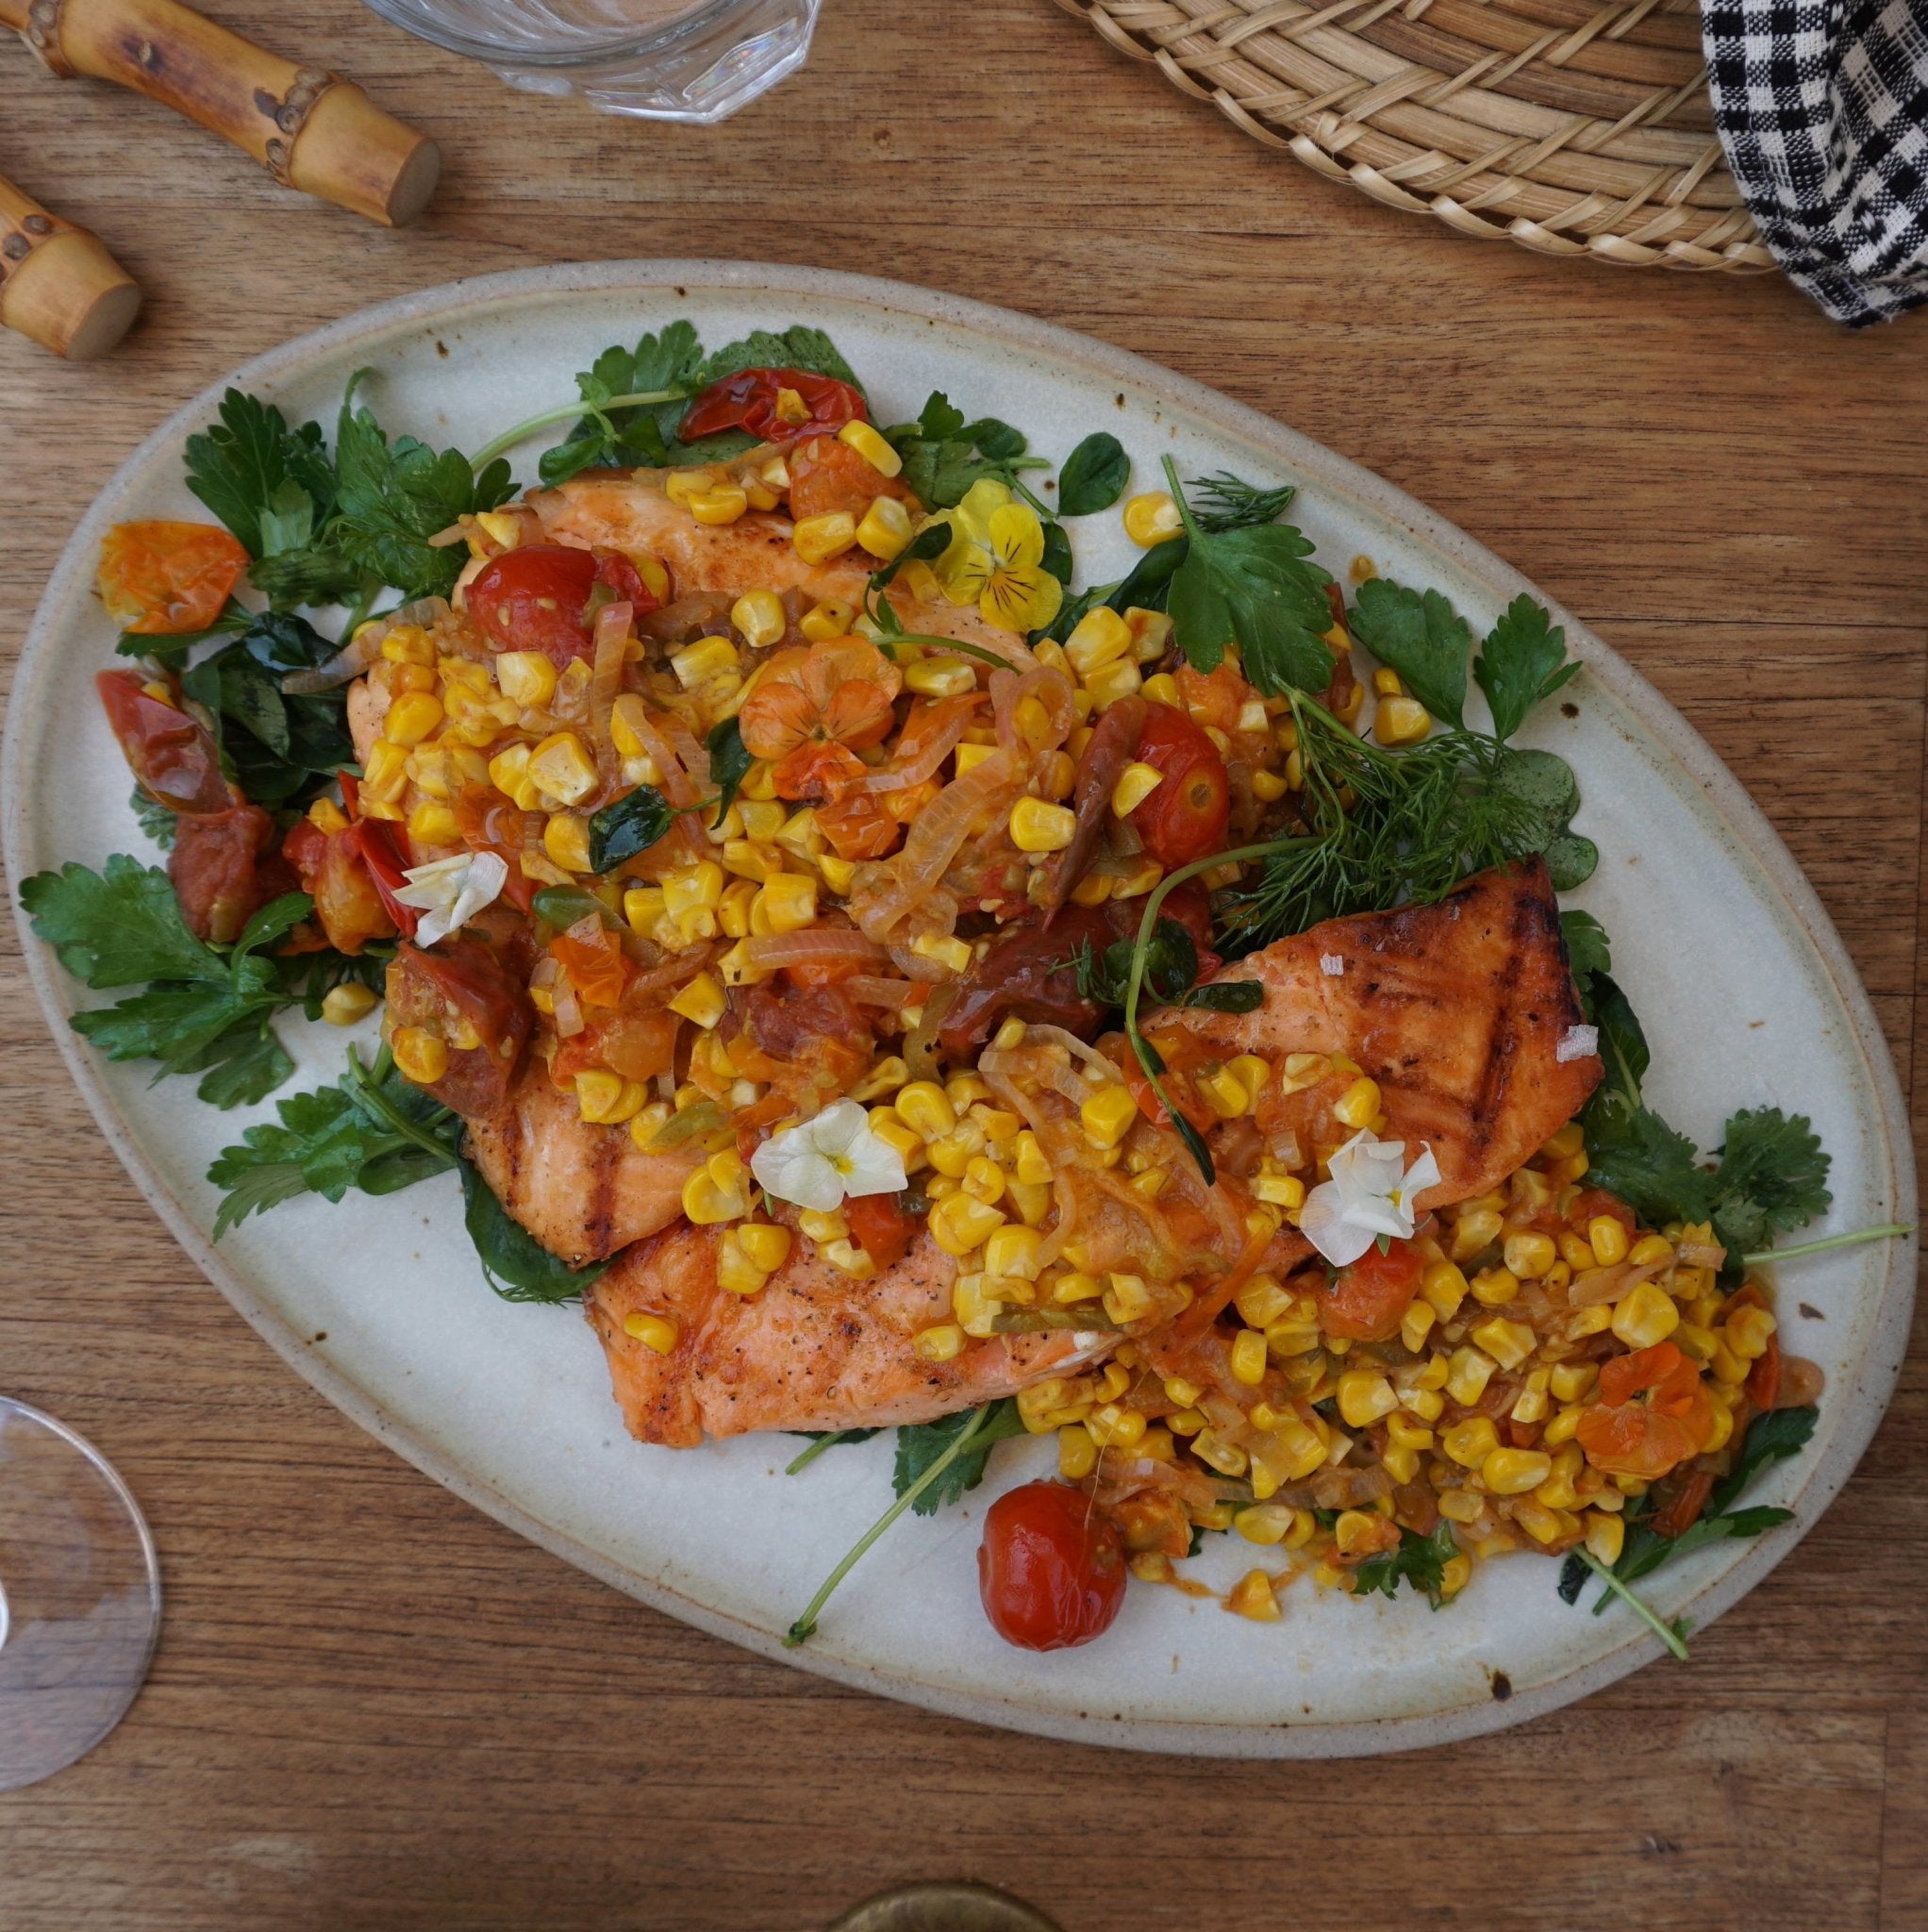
(1653, 1413)
(1184, 818)
(828, 476)
(1050, 1569)
(596, 967)
(162, 579)
(880, 1227)
(336, 875)
(1369, 1298)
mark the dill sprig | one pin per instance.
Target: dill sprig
(1385, 828)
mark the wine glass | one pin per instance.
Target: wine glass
(79, 1596)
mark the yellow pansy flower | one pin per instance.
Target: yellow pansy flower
(996, 558)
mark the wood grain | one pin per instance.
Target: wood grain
(374, 1707)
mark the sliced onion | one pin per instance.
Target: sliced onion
(868, 991)
(677, 786)
(1057, 1035)
(964, 807)
(695, 616)
(815, 947)
(567, 1014)
(613, 626)
(942, 739)
(921, 1042)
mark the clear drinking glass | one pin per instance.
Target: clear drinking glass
(664, 59)
(79, 1596)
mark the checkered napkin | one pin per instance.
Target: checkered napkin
(1823, 106)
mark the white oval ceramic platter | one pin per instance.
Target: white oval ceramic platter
(1742, 984)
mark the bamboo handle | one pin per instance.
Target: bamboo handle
(311, 130)
(57, 284)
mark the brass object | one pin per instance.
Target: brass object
(950, 1906)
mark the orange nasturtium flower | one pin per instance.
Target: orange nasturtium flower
(164, 579)
(1653, 1413)
(812, 710)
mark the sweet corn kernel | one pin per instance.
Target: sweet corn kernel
(432, 823)
(817, 540)
(1508, 1343)
(960, 1223)
(788, 901)
(766, 1244)
(562, 768)
(725, 503)
(1107, 1115)
(1248, 1358)
(1608, 1237)
(926, 1108)
(702, 1000)
(411, 718)
(1561, 1428)
(1110, 682)
(885, 531)
(953, 954)
(527, 676)
(823, 1225)
(848, 1258)
(1529, 1256)
(1224, 1094)
(1101, 637)
(1467, 1374)
(407, 643)
(1077, 1455)
(1495, 1286)
(657, 1332)
(1126, 1298)
(736, 1272)
(1445, 1288)
(1013, 1251)
(1460, 1505)
(1151, 517)
(1570, 1381)
(1644, 1315)
(759, 618)
(1401, 721)
(1113, 1426)
(1036, 827)
(1606, 1536)
(1513, 1472)
(1076, 1286)
(342, 1006)
(566, 839)
(1651, 1251)
(1476, 1230)
(1415, 1325)
(1364, 1398)
(420, 1055)
(1469, 1444)
(1749, 1331)
(870, 444)
(1285, 1190)
(1359, 1106)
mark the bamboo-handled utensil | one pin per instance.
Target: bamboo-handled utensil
(311, 129)
(57, 284)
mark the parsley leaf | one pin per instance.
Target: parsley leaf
(921, 1445)
(394, 497)
(1252, 585)
(1093, 477)
(1522, 661)
(240, 465)
(155, 819)
(1419, 1561)
(632, 824)
(119, 926)
(635, 434)
(1420, 635)
(1773, 1179)
(1636, 1156)
(799, 346)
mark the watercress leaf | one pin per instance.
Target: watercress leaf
(633, 824)
(120, 926)
(1522, 660)
(729, 763)
(1417, 634)
(1771, 1436)
(1228, 996)
(998, 441)
(1093, 477)
(238, 467)
(1170, 960)
(519, 1267)
(1224, 502)
(1573, 1575)
(940, 419)
(1773, 1179)
(1587, 952)
(1255, 587)
(1570, 862)
(919, 1445)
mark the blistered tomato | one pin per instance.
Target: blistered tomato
(1051, 1571)
(1183, 818)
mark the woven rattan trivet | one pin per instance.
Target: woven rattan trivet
(1566, 126)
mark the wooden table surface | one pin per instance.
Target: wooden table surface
(372, 1707)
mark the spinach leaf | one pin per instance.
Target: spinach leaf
(1522, 661)
(519, 1267)
(1420, 635)
(1770, 1438)
(278, 749)
(1093, 477)
(629, 826)
(1587, 953)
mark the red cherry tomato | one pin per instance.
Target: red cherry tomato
(1051, 1571)
(880, 1227)
(752, 400)
(164, 579)
(224, 869)
(172, 758)
(1369, 1299)
(336, 875)
(1184, 817)
(534, 599)
(464, 986)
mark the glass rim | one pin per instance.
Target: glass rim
(412, 18)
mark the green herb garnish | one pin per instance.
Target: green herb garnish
(1419, 1561)
(630, 825)
(1093, 477)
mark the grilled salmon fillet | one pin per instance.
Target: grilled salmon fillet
(582, 1189)
(814, 1350)
(1457, 1010)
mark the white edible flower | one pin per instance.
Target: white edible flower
(819, 1163)
(1577, 1043)
(1371, 1193)
(1332, 964)
(450, 892)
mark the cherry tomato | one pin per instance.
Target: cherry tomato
(224, 869)
(880, 1227)
(172, 758)
(1051, 1571)
(752, 400)
(534, 599)
(1653, 1413)
(161, 580)
(828, 476)
(1184, 817)
(336, 875)
(379, 847)
(595, 966)
(463, 981)
(1369, 1299)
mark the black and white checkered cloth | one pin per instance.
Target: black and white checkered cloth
(1823, 106)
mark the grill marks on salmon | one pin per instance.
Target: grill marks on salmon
(814, 1350)
(582, 1189)
(1458, 1009)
